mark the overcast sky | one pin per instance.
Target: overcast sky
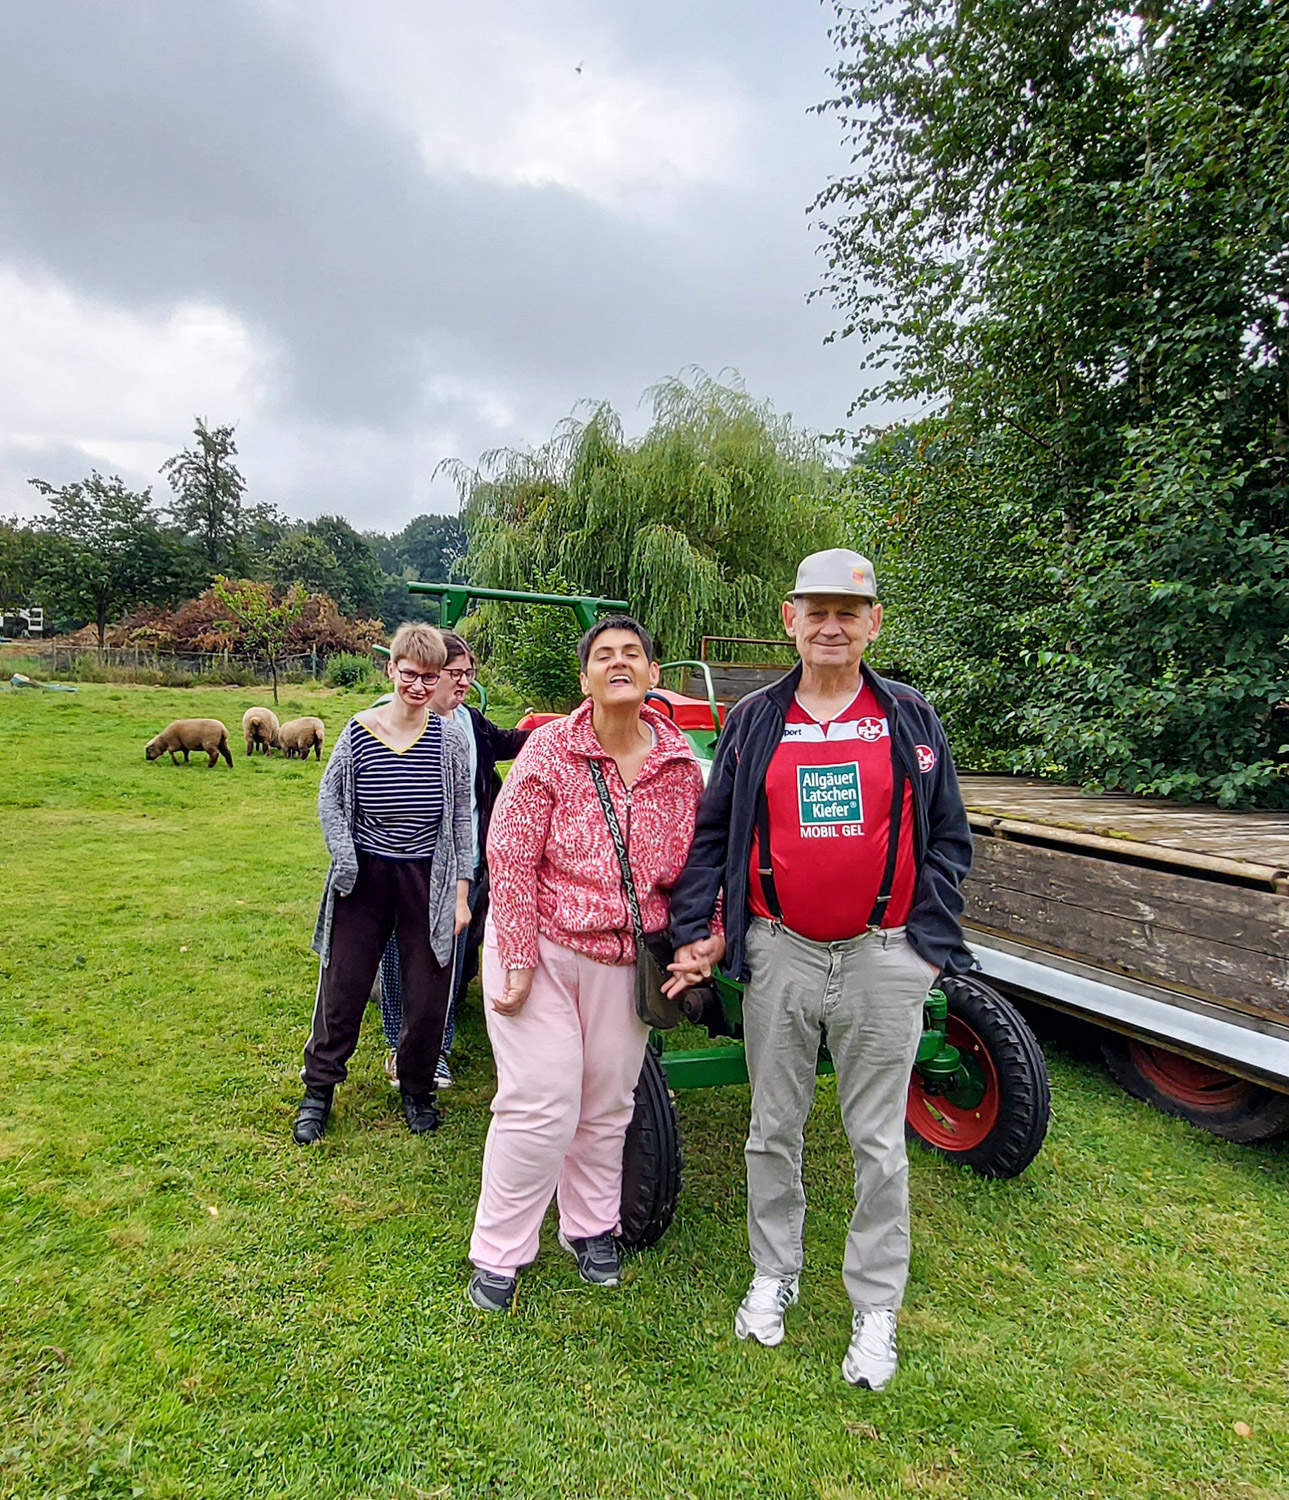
(378, 235)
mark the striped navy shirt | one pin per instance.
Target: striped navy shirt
(399, 793)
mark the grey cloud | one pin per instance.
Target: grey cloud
(153, 152)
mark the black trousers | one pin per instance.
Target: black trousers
(391, 895)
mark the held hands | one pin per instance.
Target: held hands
(693, 964)
(511, 1000)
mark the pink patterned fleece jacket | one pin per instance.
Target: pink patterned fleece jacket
(550, 856)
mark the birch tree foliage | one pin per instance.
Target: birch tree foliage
(699, 524)
(1067, 235)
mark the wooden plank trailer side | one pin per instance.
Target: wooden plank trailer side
(1165, 925)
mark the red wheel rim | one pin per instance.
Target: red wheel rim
(936, 1119)
(1185, 1081)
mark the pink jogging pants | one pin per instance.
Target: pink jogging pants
(567, 1067)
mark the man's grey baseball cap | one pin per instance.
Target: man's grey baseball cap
(837, 571)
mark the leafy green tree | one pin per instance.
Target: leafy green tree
(208, 489)
(359, 579)
(1068, 230)
(432, 545)
(428, 549)
(304, 558)
(263, 527)
(19, 562)
(265, 620)
(104, 552)
(699, 524)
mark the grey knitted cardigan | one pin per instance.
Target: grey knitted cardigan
(453, 848)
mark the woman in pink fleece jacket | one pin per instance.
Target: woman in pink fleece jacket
(559, 960)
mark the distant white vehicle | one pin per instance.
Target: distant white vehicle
(26, 622)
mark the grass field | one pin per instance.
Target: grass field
(191, 1305)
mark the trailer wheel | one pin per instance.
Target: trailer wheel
(651, 1160)
(1231, 1107)
(996, 1123)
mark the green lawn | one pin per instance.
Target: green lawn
(191, 1305)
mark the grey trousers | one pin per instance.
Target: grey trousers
(866, 995)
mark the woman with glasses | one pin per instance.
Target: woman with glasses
(395, 809)
(488, 743)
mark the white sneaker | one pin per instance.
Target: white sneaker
(761, 1315)
(391, 1067)
(870, 1361)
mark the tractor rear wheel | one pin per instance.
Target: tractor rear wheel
(1231, 1107)
(996, 1121)
(651, 1160)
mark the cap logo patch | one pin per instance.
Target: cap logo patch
(926, 758)
(857, 575)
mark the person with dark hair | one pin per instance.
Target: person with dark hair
(488, 743)
(559, 959)
(395, 809)
(614, 622)
(834, 827)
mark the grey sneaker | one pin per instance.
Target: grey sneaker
(599, 1260)
(870, 1361)
(493, 1293)
(761, 1315)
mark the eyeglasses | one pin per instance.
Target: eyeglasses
(459, 674)
(408, 675)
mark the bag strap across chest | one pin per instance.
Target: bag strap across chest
(620, 849)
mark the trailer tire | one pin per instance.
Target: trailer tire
(652, 1161)
(1231, 1107)
(1001, 1135)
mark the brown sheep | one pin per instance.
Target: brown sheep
(299, 736)
(260, 726)
(191, 734)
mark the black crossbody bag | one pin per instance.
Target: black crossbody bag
(653, 950)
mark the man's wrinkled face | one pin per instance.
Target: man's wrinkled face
(831, 630)
(454, 684)
(618, 672)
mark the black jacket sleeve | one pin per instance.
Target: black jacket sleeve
(934, 922)
(496, 743)
(695, 894)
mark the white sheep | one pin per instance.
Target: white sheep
(299, 736)
(191, 734)
(260, 726)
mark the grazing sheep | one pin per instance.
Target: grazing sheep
(260, 726)
(299, 736)
(191, 734)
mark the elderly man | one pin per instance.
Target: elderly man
(834, 827)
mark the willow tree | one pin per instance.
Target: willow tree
(699, 524)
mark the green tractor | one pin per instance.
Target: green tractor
(978, 1093)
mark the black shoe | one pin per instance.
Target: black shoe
(422, 1112)
(314, 1111)
(491, 1292)
(599, 1260)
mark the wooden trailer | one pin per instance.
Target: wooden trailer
(1166, 925)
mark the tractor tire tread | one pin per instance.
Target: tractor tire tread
(1026, 1107)
(1263, 1120)
(652, 1160)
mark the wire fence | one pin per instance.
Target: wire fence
(71, 661)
